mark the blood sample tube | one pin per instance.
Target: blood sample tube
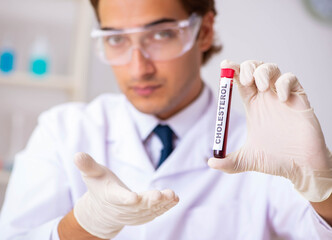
(223, 112)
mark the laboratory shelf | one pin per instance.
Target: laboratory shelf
(20, 79)
(68, 40)
(66, 24)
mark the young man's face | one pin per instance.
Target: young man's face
(154, 87)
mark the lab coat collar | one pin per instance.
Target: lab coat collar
(192, 152)
(183, 121)
(179, 123)
(124, 140)
(144, 123)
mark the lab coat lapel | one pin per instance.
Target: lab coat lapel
(195, 148)
(126, 143)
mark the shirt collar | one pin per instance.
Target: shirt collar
(180, 123)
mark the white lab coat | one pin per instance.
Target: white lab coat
(45, 184)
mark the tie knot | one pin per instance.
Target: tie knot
(165, 134)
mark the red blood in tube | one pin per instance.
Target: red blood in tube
(228, 73)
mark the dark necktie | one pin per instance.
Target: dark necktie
(165, 134)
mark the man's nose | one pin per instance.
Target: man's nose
(141, 66)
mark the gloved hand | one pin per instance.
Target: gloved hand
(284, 135)
(109, 205)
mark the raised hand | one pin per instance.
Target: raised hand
(284, 135)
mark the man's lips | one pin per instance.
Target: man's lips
(145, 90)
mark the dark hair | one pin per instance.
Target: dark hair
(201, 7)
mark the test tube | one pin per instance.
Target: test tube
(223, 112)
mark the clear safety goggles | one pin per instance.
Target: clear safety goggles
(158, 42)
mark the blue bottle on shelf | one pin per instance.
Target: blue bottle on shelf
(39, 62)
(7, 59)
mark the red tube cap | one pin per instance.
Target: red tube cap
(227, 73)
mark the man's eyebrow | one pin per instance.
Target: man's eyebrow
(163, 20)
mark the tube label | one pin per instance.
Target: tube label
(223, 102)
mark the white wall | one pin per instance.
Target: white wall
(280, 31)
(21, 23)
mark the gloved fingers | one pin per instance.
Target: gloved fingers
(247, 69)
(246, 85)
(114, 180)
(232, 163)
(154, 196)
(103, 183)
(266, 75)
(170, 199)
(164, 206)
(88, 166)
(155, 199)
(96, 176)
(162, 209)
(171, 203)
(290, 90)
(121, 196)
(116, 192)
(150, 198)
(168, 194)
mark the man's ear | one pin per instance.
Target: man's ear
(206, 34)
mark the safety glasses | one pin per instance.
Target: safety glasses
(158, 42)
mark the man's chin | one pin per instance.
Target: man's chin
(154, 110)
(150, 109)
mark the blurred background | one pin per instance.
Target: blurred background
(47, 58)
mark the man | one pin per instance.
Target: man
(156, 49)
